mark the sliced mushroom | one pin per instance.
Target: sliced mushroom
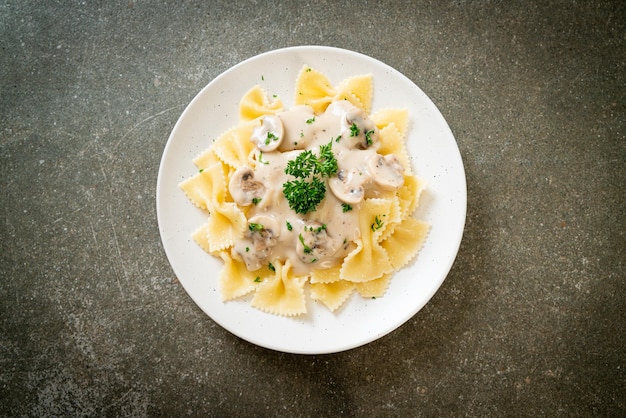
(360, 130)
(386, 171)
(314, 244)
(256, 246)
(269, 134)
(263, 230)
(244, 188)
(347, 186)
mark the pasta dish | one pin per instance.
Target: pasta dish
(316, 199)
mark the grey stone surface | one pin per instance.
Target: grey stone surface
(530, 321)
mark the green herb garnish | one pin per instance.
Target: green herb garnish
(308, 190)
(304, 196)
(271, 267)
(271, 136)
(256, 200)
(255, 227)
(378, 223)
(310, 121)
(327, 163)
(302, 166)
(307, 249)
(306, 163)
(368, 137)
(354, 130)
(346, 207)
(289, 227)
(257, 279)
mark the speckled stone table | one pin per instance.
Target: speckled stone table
(529, 322)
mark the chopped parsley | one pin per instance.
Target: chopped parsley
(316, 230)
(346, 207)
(307, 249)
(368, 137)
(302, 165)
(257, 279)
(256, 200)
(271, 136)
(308, 190)
(255, 227)
(201, 170)
(271, 267)
(378, 223)
(289, 227)
(310, 121)
(327, 163)
(303, 196)
(261, 160)
(354, 130)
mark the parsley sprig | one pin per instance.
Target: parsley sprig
(307, 163)
(327, 163)
(308, 189)
(302, 166)
(304, 195)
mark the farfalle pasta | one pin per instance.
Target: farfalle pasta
(316, 200)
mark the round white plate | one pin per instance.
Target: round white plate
(435, 158)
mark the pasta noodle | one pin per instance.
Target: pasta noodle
(319, 198)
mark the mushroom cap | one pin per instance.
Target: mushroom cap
(263, 231)
(386, 171)
(243, 188)
(360, 131)
(269, 134)
(347, 186)
(314, 243)
(269, 224)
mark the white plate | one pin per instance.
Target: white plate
(435, 158)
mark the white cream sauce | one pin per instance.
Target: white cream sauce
(321, 238)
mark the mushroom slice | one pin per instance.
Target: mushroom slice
(347, 186)
(386, 171)
(256, 246)
(359, 129)
(263, 230)
(269, 134)
(244, 188)
(314, 244)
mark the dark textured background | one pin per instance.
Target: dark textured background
(529, 322)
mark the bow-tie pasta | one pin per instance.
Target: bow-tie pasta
(317, 199)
